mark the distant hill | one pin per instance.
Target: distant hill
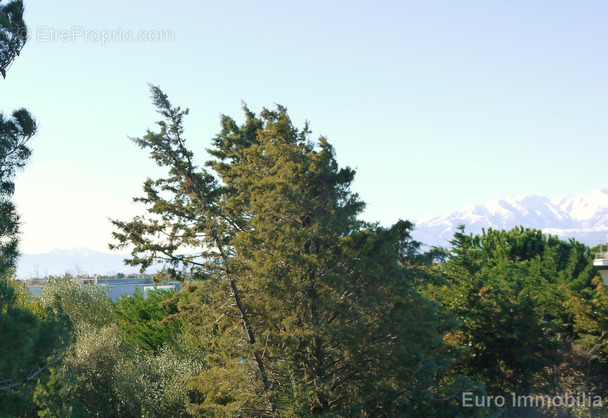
(73, 260)
(583, 217)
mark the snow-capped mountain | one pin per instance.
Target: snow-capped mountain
(584, 217)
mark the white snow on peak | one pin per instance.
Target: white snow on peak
(583, 216)
(585, 206)
(74, 251)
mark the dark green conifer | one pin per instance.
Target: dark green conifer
(300, 307)
(13, 33)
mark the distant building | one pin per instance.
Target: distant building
(601, 262)
(159, 287)
(602, 265)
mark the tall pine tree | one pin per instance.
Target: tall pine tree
(300, 307)
(15, 132)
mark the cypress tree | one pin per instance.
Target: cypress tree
(300, 307)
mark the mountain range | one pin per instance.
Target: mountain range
(72, 260)
(584, 217)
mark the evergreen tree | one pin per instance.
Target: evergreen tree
(13, 33)
(521, 299)
(31, 339)
(14, 153)
(15, 131)
(300, 307)
(142, 318)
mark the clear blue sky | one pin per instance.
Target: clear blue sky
(437, 104)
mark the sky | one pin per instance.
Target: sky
(436, 104)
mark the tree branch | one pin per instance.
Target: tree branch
(16, 385)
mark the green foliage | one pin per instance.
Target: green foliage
(144, 318)
(54, 395)
(104, 376)
(156, 385)
(87, 373)
(522, 301)
(13, 33)
(21, 297)
(299, 307)
(102, 373)
(86, 305)
(15, 132)
(29, 343)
